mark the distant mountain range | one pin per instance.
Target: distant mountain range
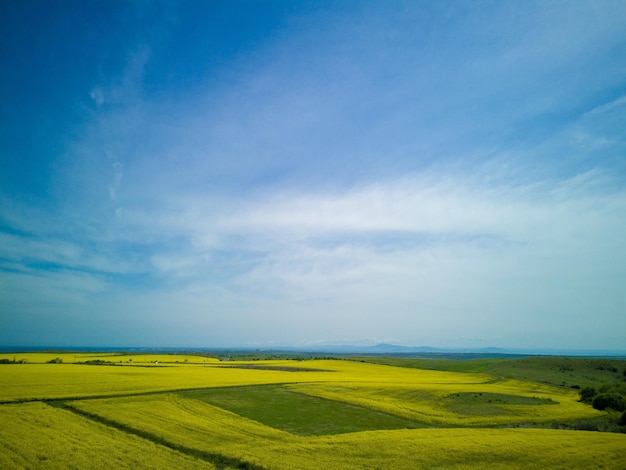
(344, 349)
(385, 348)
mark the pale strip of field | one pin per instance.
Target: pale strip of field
(35, 435)
(194, 424)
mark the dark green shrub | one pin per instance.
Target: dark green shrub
(97, 362)
(587, 394)
(605, 400)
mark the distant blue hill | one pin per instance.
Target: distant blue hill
(341, 349)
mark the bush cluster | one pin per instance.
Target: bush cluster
(609, 396)
(97, 362)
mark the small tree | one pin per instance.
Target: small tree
(587, 395)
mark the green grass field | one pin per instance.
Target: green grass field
(191, 412)
(561, 371)
(278, 407)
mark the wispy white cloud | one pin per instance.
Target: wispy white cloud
(126, 89)
(447, 206)
(423, 251)
(97, 95)
(610, 106)
(50, 253)
(423, 172)
(118, 175)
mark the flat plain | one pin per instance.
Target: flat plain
(66, 410)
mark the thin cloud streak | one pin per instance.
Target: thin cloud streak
(458, 206)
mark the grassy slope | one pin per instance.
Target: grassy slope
(571, 373)
(560, 371)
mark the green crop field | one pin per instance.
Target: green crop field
(70, 410)
(562, 371)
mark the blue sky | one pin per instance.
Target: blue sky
(246, 173)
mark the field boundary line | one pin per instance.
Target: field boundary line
(219, 460)
(17, 401)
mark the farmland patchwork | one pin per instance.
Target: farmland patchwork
(188, 412)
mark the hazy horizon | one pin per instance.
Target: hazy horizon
(379, 349)
(218, 173)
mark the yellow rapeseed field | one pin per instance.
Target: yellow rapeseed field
(20, 382)
(35, 435)
(116, 358)
(69, 380)
(197, 425)
(161, 416)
